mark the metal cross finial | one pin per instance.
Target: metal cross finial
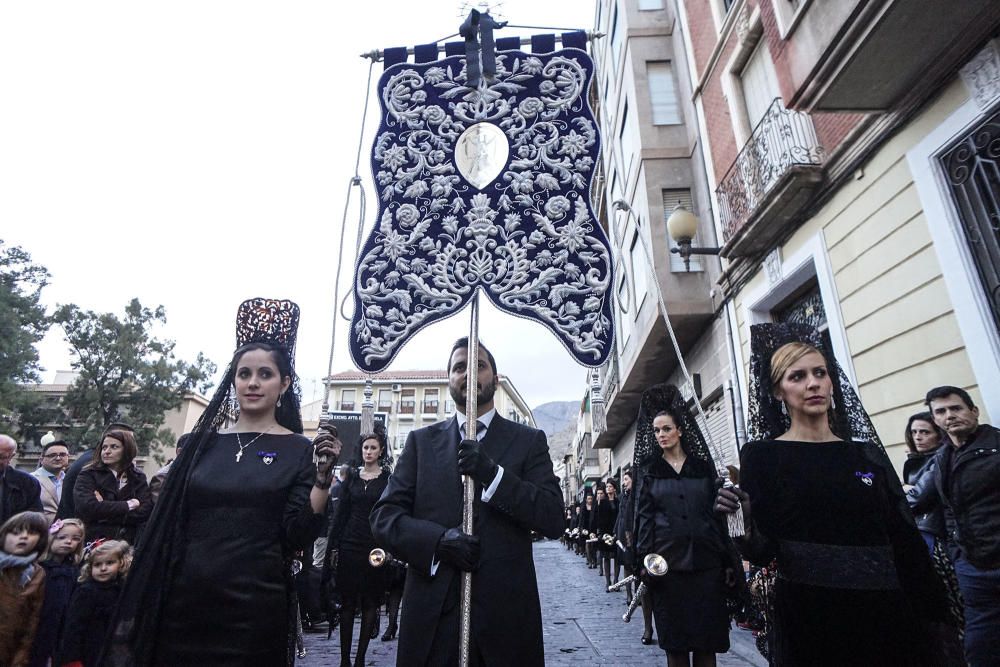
(494, 8)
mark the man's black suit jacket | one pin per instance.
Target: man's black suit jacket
(424, 498)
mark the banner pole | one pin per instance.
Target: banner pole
(468, 485)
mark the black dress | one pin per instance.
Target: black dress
(675, 519)
(624, 527)
(604, 524)
(357, 581)
(854, 581)
(230, 600)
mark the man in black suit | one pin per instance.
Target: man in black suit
(19, 491)
(418, 519)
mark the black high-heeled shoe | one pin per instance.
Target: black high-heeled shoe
(647, 640)
(390, 634)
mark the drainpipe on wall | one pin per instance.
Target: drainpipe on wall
(734, 383)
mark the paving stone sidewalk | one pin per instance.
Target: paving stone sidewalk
(581, 624)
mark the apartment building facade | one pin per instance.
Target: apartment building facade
(409, 399)
(652, 162)
(851, 148)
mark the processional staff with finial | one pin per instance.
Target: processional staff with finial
(484, 162)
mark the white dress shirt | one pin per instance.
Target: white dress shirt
(485, 419)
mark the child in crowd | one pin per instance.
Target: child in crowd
(22, 584)
(93, 603)
(61, 562)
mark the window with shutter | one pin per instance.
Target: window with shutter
(760, 84)
(671, 199)
(663, 93)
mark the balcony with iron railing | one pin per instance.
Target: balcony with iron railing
(770, 182)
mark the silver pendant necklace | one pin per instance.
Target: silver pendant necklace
(239, 454)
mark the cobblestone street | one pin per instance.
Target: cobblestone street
(582, 623)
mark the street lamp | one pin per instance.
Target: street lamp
(682, 226)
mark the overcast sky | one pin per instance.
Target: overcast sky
(197, 153)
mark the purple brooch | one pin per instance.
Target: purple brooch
(866, 477)
(268, 457)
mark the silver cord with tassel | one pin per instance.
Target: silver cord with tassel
(368, 408)
(598, 416)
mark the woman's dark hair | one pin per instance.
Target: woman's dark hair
(920, 417)
(612, 482)
(34, 522)
(287, 414)
(677, 419)
(129, 450)
(384, 459)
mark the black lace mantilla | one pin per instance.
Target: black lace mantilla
(136, 624)
(656, 399)
(767, 420)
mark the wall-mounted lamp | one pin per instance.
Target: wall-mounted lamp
(682, 226)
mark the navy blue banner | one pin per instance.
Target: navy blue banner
(485, 188)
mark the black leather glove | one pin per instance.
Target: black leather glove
(473, 461)
(458, 549)
(327, 447)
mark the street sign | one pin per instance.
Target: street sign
(349, 429)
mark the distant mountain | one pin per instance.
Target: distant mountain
(558, 420)
(556, 416)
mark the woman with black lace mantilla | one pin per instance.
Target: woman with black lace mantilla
(855, 585)
(211, 583)
(674, 518)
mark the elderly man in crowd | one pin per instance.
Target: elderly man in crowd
(51, 471)
(19, 491)
(965, 482)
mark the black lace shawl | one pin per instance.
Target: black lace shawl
(655, 399)
(850, 422)
(767, 421)
(135, 627)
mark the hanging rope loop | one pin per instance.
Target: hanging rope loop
(355, 181)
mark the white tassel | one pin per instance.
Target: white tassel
(599, 420)
(368, 408)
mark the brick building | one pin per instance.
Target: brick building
(839, 140)
(652, 160)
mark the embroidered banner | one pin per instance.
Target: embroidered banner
(488, 189)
